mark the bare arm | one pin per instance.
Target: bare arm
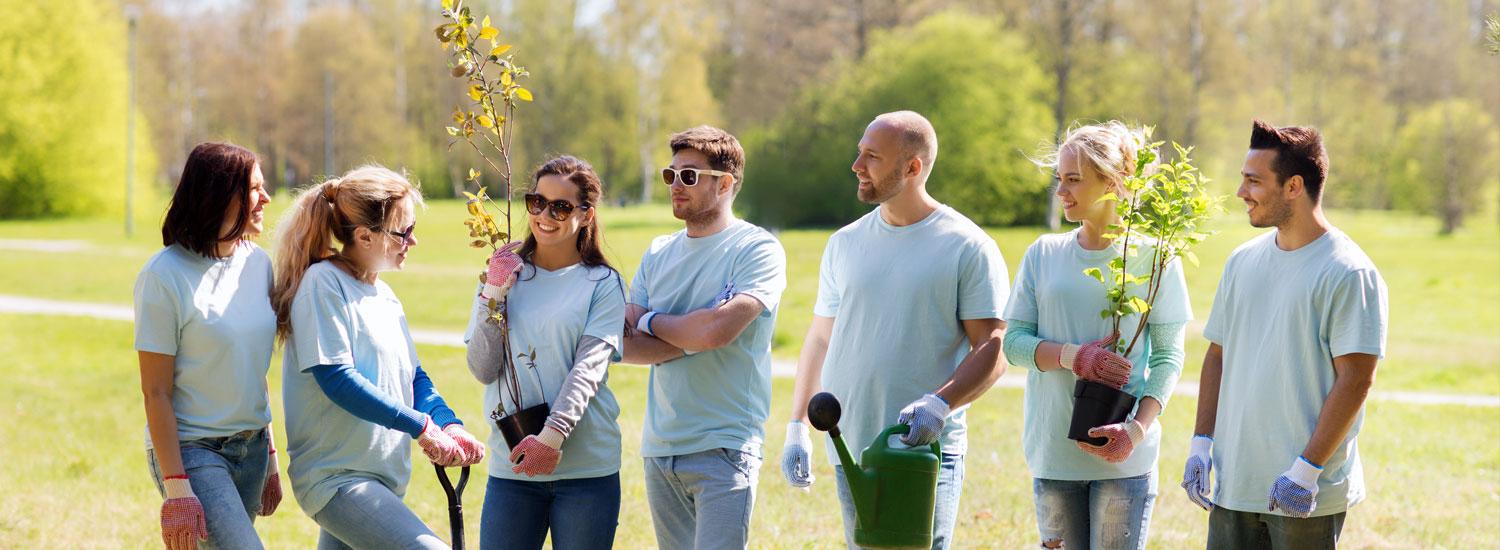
(157, 372)
(1353, 375)
(981, 368)
(708, 328)
(642, 348)
(810, 365)
(1208, 390)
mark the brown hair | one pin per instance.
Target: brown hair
(215, 174)
(368, 196)
(722, 149)
(591, 192)
(1299, 152)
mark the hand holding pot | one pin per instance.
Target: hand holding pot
(472, 446)
(504, 264)
(1121, 442)
(796, 456)
(1296, 491)
(538, 454)
(1097, 362)
(925, 416)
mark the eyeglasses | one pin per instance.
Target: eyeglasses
(688, 176)
(403, 235)
(560, 209)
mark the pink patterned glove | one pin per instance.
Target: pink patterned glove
(1122, 439)
(472, 446)
(182, 521)
(538, 454)
(1096, 363)
(439, 447)
(270, 494)
(504, 264)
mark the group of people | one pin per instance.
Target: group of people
(915, 319)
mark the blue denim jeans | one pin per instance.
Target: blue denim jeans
(1235, 530)
(1101, 513)
(581, 513)
(702, 500)
(227, 474)
(367, 514)
(945, 509)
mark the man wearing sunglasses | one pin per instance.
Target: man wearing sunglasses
(906, 328)
(701, 312)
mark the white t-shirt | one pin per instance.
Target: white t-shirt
(1281, 317)
(214, 317)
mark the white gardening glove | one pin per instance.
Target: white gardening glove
(925, 416)
(1200, 463)
(1296, 491)
(796, 456)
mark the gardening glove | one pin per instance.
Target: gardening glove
(1096, 362)
(504, 264)
(270, 494)
(182, 521)
(796, 456)
(1121, 437)
(925, 417)
(1200, 463)
(472, 446)
(439, 447)
(1296, 491)
(538, 455)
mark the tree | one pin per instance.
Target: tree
(1447, 155)
(983, 92)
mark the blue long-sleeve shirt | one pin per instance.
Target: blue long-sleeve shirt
(352, 391)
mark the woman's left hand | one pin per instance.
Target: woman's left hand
(538, 454)
(270, 494)
(1121, 442)
(472, 446)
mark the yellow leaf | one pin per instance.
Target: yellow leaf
(500, 50)
(523, 94)
(486, 22)
(485, 121)
(448, 5)
(506, 79)
(488, 32)
(476, 92)
(473, 174)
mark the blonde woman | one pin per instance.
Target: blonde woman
(354, 390)
(1086, 495)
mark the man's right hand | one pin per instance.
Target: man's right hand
(182, 521)
(796, 456)
(1200, 463)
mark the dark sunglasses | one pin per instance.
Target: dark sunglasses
(561, 210)
(688, 176)
(405, 234)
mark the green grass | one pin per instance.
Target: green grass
(75, 476)
(1444, 293)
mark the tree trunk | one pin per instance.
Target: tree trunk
(1060, 108)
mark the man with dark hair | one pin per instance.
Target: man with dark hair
(701, 312)
(1298, 324)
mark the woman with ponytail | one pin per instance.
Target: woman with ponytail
(354, 390)
(566, 313)
(204, 332)
(1090, 496)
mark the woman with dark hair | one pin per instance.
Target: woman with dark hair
(204, 331)
(566, 311)
(354, 390)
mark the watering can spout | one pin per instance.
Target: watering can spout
(823, 412)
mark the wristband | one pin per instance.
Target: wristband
(177, 487)
(1068, 355)
(644, 324)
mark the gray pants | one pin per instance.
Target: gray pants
(366, 514)
(1233, 530)
(702, 500)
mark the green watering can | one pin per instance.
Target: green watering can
(894, 489)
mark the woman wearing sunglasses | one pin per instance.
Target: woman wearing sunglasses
(204, 332)
(355, 392)
(566, 312)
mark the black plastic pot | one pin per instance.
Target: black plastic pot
(528, 421)
(1095, 405)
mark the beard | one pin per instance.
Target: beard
(881, 188)
(1271, 214)
(693, 213)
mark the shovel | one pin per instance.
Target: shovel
(455, 503)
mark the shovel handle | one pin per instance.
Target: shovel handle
(455, 495)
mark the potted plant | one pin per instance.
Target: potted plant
(1164, 207)
(494, 90)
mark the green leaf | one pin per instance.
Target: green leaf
(1107, 197)
(1095, 273)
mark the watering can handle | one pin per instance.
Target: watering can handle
(883, 442)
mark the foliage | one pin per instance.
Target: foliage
(62, 111)
(1165, 205)
(1446, 156)
(970, 76)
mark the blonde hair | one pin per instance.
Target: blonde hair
(1109, 148)
(328, 212)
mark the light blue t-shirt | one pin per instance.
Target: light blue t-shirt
(214, 317)
(898, 296)
(339, 320)
(550, 311)
(1052, 292)
(715, 399)
(1281, 317)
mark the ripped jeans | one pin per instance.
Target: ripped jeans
(1105, 513)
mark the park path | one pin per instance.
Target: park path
(1014, 378)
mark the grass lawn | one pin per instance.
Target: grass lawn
(75, 471)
